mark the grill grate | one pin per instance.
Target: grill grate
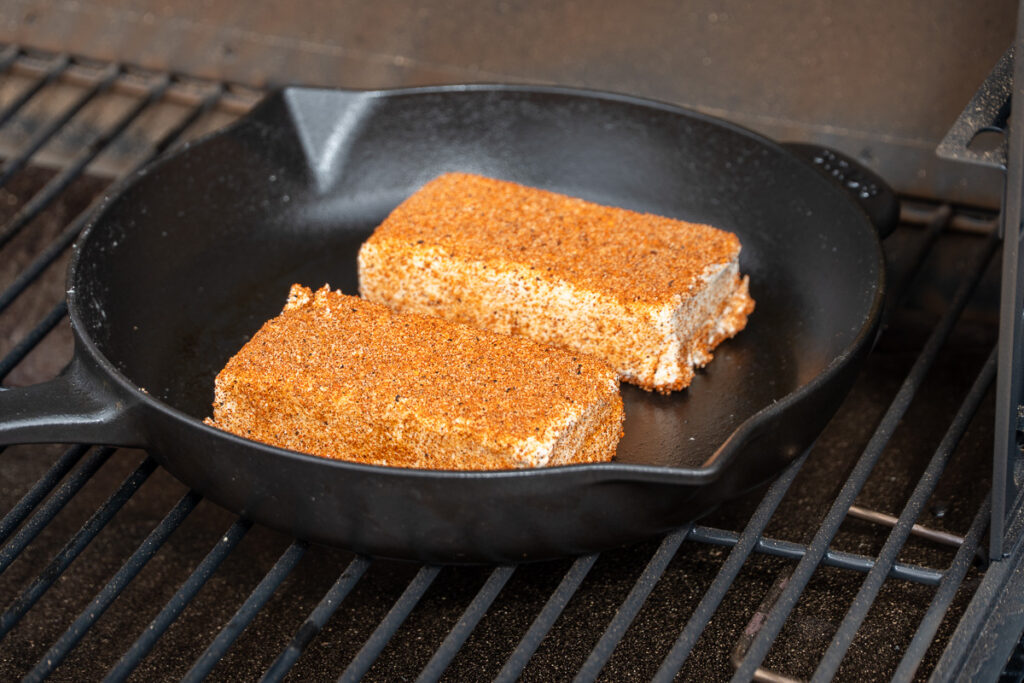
(387, 620)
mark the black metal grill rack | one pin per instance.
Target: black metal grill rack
(349, 616)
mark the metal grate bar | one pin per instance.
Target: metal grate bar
(876, 517)
(540, 627)
(208, 102)
(368, 654)
(944, 595)
(51, 507)
(713, 596)
(467, 622)
(833, 558)
(128, 571)
(58, 66)
(64, 240)
(17, 514)
(25, 346)
(855, 481)
(317, 619)
(34, 206)
(917, 214)
(63, 559)
(833, 657)
(766, 676)
(899, 286)
(8, 57)
(752, 628)
(630, 607)
(177, 604)
(43, 135)
(247, 612)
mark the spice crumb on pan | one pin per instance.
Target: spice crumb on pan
(653, 296)
(341, 377)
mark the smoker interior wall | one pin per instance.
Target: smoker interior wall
(879, 79)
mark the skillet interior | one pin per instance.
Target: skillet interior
(188, 262)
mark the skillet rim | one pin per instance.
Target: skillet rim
(713, 466)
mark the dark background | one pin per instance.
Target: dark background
(879, 79)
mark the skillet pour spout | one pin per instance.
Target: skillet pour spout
(185, 260)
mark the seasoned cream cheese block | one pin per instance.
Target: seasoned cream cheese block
(650, 295)
(340, 377)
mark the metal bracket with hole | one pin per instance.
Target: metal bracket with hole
(988, 111)
(991, 110)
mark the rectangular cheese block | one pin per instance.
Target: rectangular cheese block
(340, 377)
(650, 295)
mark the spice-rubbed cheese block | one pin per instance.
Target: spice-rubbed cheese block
(341, 377)
(650, 295)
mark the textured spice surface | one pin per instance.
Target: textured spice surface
(650, 295)
(629, 255)
(341, 377)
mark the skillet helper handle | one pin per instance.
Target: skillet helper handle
(864, 185)
(74, 407)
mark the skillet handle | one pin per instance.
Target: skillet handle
(865, 186)
(77, 406)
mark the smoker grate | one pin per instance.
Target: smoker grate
(524, 609)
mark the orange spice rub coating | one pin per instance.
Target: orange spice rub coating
(629, 255)
(651, 295)
(341, 377)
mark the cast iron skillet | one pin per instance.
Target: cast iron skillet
(189, 257)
